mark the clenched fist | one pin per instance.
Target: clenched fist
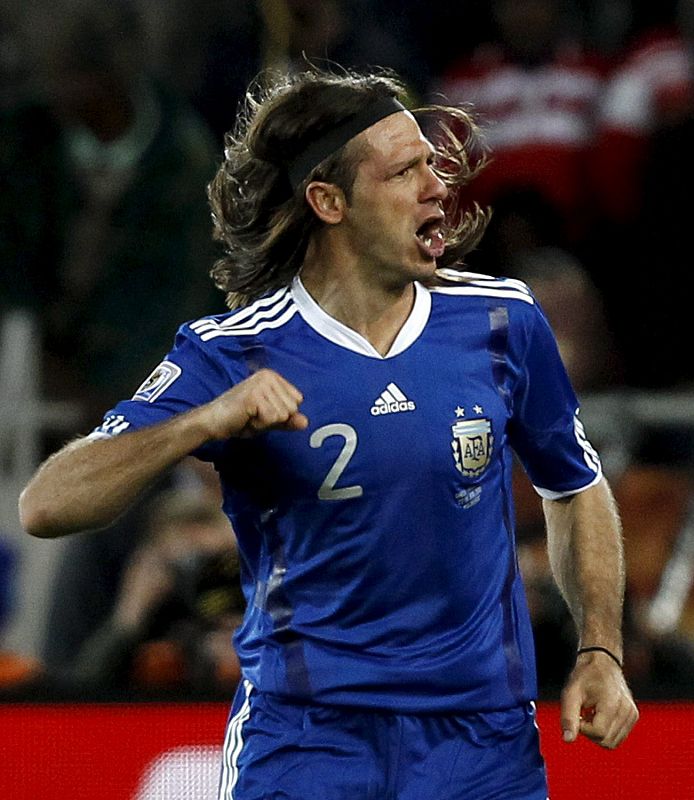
(263, 401)
(597, 703)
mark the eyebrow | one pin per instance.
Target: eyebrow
(405, 163)
(398, 166)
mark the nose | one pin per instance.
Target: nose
(435, 188)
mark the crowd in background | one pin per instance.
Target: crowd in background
(112, 119)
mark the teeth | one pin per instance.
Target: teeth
(427, 241)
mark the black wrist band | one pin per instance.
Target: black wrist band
(598, 649)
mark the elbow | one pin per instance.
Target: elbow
(56, 501)
(46, 517)
(36, 517)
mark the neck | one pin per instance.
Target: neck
(348, 292)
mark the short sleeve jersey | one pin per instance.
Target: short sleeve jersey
(379, 562)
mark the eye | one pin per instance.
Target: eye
(404, 171)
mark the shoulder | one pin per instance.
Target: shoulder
(217, 348)
(268, 314)
(502, 311)
(454, 283)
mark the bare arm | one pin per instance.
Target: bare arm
(586, 555)
(90, 482)
(585, 551)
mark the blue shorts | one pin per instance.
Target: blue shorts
(278, 750)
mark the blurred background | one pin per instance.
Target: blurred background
(112, 117)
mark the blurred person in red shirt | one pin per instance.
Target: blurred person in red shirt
(652, 89)
(537, 91)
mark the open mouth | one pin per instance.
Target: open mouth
(431, 239)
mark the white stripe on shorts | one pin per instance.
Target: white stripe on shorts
(233, 744)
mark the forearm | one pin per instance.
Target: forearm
(586, 555)
(90, 482)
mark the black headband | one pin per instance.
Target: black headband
(334, 138)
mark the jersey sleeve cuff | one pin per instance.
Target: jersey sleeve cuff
(548, 494)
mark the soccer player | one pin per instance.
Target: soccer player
(361, 403)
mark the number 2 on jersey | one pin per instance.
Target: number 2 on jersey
(327, 490)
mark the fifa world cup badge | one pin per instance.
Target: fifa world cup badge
(158, 381)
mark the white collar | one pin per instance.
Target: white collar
(342, 335)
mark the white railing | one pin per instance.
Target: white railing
(25, 418)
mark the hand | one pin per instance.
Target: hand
(597, 703)
(262, 402)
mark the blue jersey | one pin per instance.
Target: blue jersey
(378, 551)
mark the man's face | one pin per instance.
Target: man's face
(394, 220)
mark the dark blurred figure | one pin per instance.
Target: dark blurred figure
(536, 92)
(575, 311)
(606, 25)
(210, 51)
(444, 32)
(8, 568)
(207, 51)
(177, 605)
(86, 582)
(92, 565)
(103, 218)
(658, 320)
(359, 34)
(523, 220)
(12, 63)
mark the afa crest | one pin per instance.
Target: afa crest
(472, 445)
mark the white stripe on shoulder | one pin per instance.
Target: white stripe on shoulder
(247, 320)
(480, 279)
(508, 293)
(258, 328)
(243, 314)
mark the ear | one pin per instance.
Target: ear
(327, 201)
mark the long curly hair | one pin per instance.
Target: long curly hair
(264, 225)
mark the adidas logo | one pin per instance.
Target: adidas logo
(391, 401)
